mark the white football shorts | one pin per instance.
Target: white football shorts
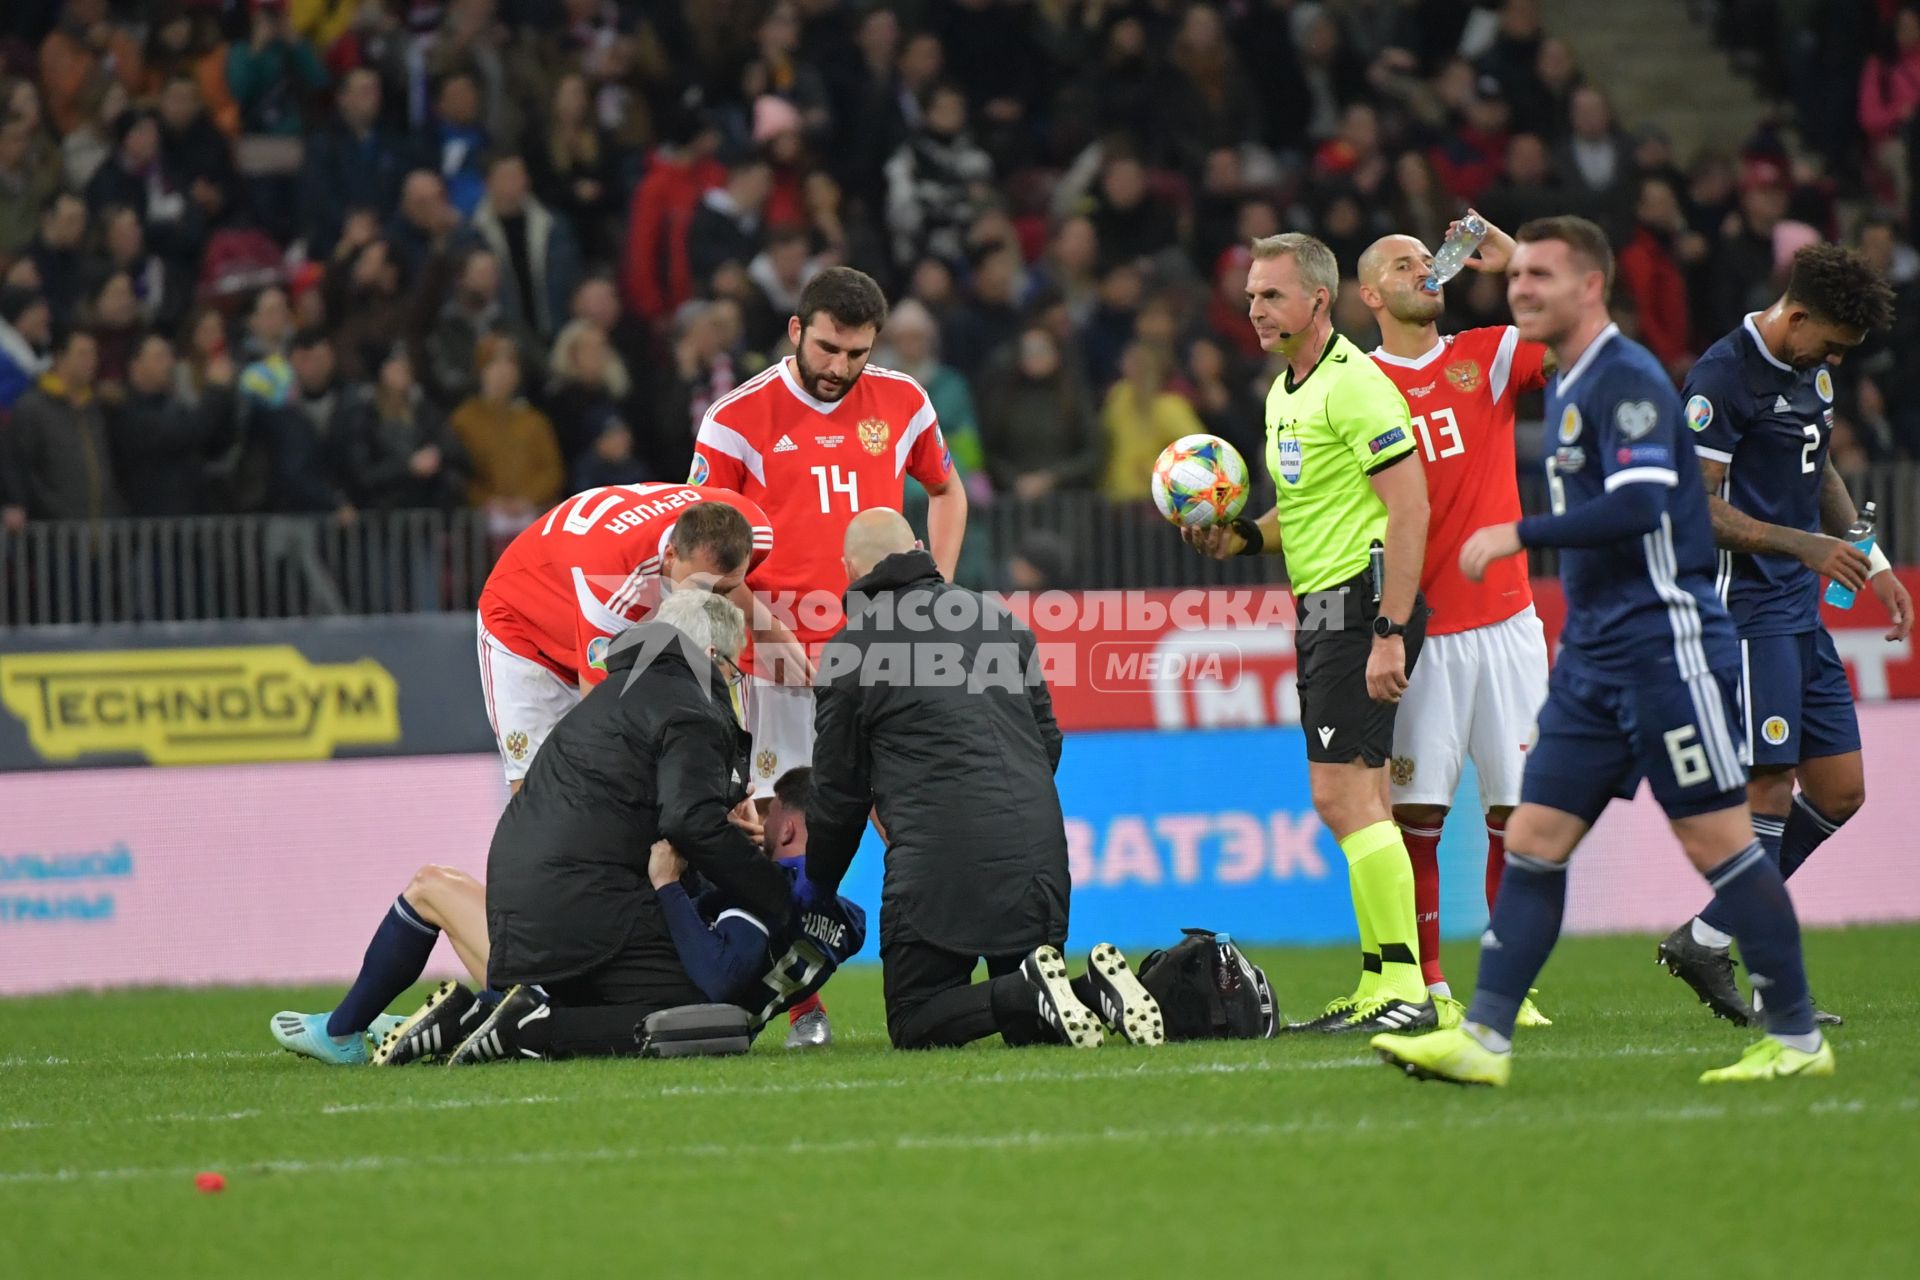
(1474, 694)
(780, 721)
(524, 702)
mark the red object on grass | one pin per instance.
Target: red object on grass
(210, 1182)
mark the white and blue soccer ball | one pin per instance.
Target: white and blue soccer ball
(1200, 480)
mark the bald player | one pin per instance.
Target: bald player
(1484, 672)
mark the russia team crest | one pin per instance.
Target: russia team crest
(873, 435)
(1464, 375)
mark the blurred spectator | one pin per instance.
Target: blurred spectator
(470, 44)
(1650, 273)
(162, 442)
(780, 271)
(321, 22)
(775, 70)
(1224, 398)
(78, 60)
(58, 254)
(113, 317)
(273, 73)
(1037, 422)
(589, 385)
(201, 357)
(728, 226)
(364, 292)
(597, 301)
(911, 346)
(1331, 74)
(268, 377)
(657, 275)
(1889, 92)
(1468, 158)
(1420, 208)
(1042, 562)
(1544, 103)
(699, 371)
(59, 440)
(425, 225)
(300, 435)
(1068, 268)
(514, 454)
(185, 44)
(537, 248)
(377, 40)
(27, 182)
(1141, 417)
(1208, 99)
(1129, 220)
(91, 143)
(353, 164)
(194, 153)
(162, 291)
(473, 312)
(134, 177)
(572, 161)
(1596, 159)
(1743, 255)
(936, 182)
(1526, 188)
(990, 315)
(399, 451)
(453, 143)
(1106, 334)
(26, 334)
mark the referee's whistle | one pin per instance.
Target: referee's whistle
(1377, 567)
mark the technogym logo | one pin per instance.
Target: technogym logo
(199, 706)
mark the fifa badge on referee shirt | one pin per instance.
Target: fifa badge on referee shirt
(873, 434)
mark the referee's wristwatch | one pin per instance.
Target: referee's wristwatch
(1383, 627)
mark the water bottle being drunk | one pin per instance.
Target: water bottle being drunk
(1460, 245)
(1860, 534)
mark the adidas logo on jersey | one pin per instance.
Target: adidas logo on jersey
(786, 445)
(1780, 404)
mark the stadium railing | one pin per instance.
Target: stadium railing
(211, 568)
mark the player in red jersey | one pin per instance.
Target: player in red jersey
(586, 571)
(815, 439)
(1483, 674)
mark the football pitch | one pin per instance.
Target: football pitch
(1300, 1155)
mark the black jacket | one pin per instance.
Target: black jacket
(567, 886)
(960, 770)
(162, 447)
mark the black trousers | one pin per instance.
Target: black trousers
(933, 1001)
(599, 1013)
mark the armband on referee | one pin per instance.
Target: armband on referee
(1877, 562)
(1249, 531)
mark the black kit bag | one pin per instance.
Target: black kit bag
(1209, 990)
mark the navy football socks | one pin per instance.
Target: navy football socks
(1750, 892)
(1768, 830)
(394, 961)
(1525, 925)
(1806, 830)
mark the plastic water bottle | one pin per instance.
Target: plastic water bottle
(1860, 534)
(1453, 255)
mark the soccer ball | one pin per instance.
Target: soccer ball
(1200, 480)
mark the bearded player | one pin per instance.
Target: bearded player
(1484, 672)
(816, 439)
(586, 571)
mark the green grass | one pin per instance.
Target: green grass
(1298, 1156)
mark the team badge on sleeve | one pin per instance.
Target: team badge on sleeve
(700, 470)
(1635, 418)
(1699, 412)
(1569, 425)
(597, 652)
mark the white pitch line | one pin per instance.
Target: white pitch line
(1018, 1139)
(856, 1084)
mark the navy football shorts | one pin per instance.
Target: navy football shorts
(1797, 700)
(1596, 741)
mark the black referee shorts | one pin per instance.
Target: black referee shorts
(1334, 643)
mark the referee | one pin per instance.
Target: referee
(1341, 450)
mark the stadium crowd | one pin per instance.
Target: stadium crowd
(333, 256)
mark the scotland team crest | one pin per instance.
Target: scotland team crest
(1464, 375)
(1569, 425)
(1823, 384)
(873, 435)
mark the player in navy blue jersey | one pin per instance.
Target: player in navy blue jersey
(731, 956)
(1646, 681)
(1760, 404)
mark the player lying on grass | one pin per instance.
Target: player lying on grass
(735, 967)
(728, 953)
(1645, 685)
